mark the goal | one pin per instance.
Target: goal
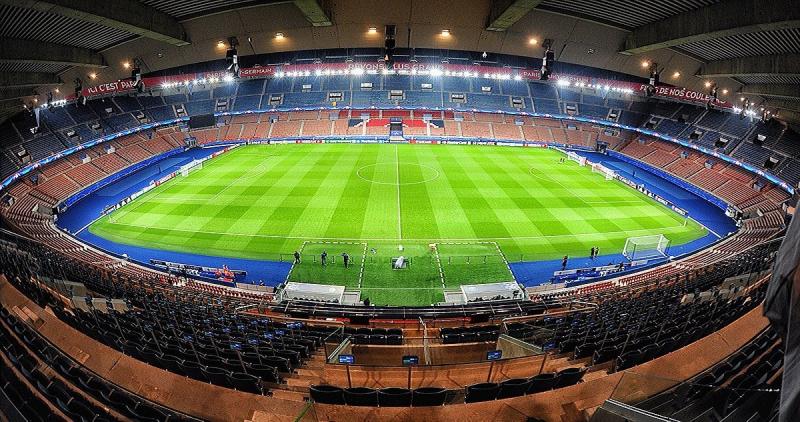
(646, 247)
(190, 167)
(576, 158)
(605, 171)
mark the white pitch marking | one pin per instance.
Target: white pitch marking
(268, 236)
(397, 167)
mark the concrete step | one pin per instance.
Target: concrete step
(289, 395)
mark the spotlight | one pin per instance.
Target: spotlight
(372, 30)
(220, 44)
(279, 36)
(533, 41)
(712, 94)
(724, 92)
(389, 44)
(547, 61)
(741, 98)
(126, 65)
(232, 56)
(650, 90)
(58, 91)
(136, 76)
(645, 63)
(93, 75)
(676, 75)
(445, 32)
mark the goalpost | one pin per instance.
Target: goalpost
(605, 171)
(646, 247)
(190, 167)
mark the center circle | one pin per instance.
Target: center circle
(397, 174)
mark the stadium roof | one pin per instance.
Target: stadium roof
(748, 47)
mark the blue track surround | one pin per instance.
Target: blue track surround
(77, 214)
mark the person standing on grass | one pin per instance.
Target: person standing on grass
(296, 257)
(324, 258)
(591, 253)
(564, 263)
(346, 259)
(596, 251)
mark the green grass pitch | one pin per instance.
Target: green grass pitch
(480, 206)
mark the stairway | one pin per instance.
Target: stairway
(311, 372)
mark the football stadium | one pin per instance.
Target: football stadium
(310, 210)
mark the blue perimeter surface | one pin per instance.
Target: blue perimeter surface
(702, 211)
(271, 273)
(85, 211)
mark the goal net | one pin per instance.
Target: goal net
(576, 158)
(188, 168)
(605, 171)
(646, 247)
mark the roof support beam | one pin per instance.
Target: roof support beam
(778, 64)
(724, 19)
(15, 93)
(16, 50)
(127, 15)
(789, 110)
(313, 12)
(28, 79)
(772, 90)
(506, 13)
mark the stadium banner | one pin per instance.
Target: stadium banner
(403, 68)
(586, 273)
(113, 178)
(702, 193)
(153, 183)
(219, 274)
(658, 198)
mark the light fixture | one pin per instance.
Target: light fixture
(35, 100)
(707, 84)
(220, 44)
(645, 63)
(741, 98)
(93, 75)
(533, 41)
(676, 75)
(126, 65)
(279, 36)
(724, 92)
(445, 32)
(58, 90)
(372, 30)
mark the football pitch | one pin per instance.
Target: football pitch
(458, 214)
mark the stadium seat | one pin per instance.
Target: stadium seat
(327, 394)
(628, 359)
(245, 382)
(513, 387)
(482, 392)
(394, 397)
(428, 396)
(216, 375)
(542, 382)
(569, 376)
(361, 396)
